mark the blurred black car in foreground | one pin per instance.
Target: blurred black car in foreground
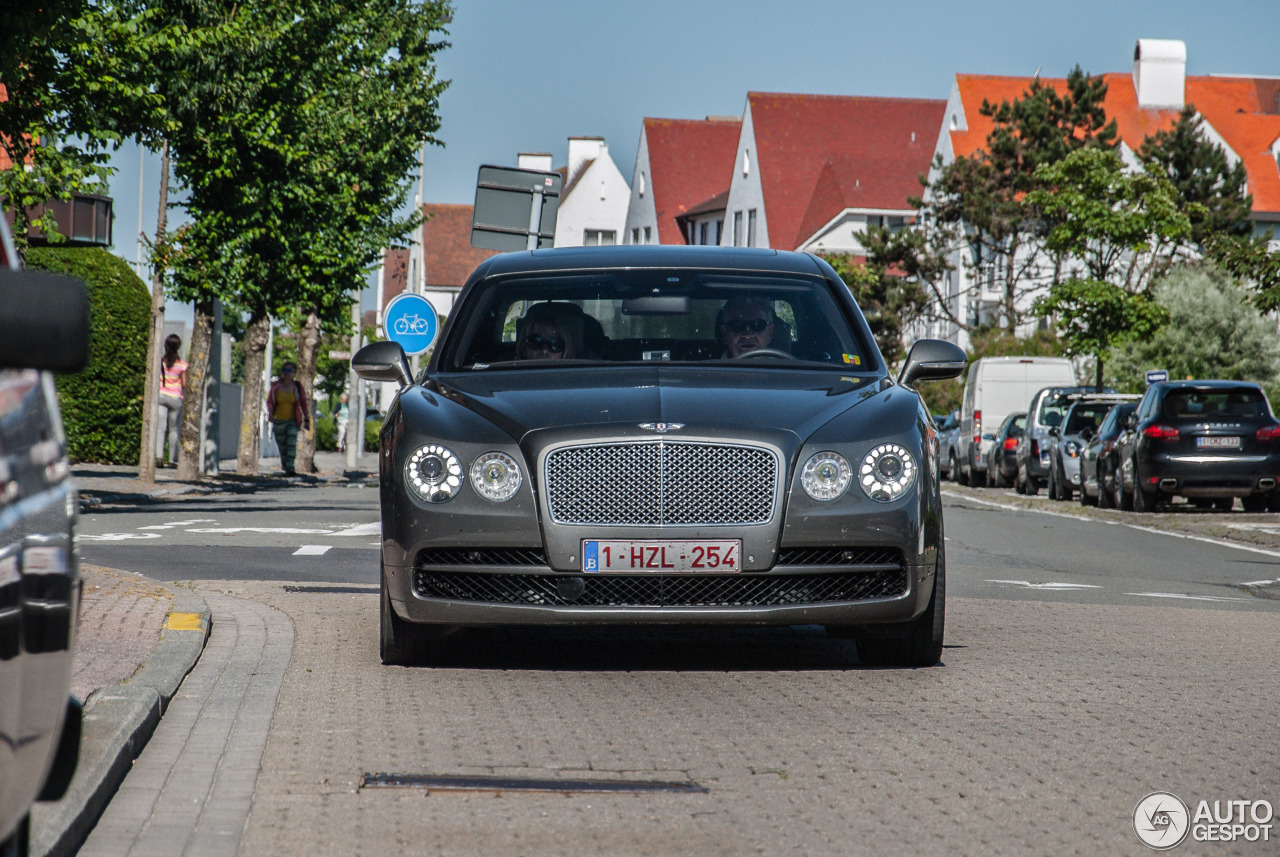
(1200, 440)
(1002, 458)
(1098, 459)
(671, 435)
(43, 326)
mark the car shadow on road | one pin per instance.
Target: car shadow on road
(676, 649)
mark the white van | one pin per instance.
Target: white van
(994, 388)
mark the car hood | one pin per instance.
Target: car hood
(705, 402)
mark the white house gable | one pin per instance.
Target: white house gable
(593, 208)
(744, 212)
(642, 215)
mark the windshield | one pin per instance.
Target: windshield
(1087, 416)
(1211, 404)
(676, 316)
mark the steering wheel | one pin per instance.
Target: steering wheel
(764, 352)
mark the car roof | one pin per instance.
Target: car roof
(1206, 385)
(623, 257)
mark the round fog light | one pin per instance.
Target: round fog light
(825, 475)
(495, 476)
(887, 472)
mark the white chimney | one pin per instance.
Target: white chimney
(582, 150)
(1160, 73)
(534, 161)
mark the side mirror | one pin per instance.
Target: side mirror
(383, 361)
(932, 360)
(1053, 432)
(44, 321)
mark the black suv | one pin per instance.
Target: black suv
(1201, 440)
(43, 326)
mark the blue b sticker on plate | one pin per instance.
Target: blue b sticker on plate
(590, 556)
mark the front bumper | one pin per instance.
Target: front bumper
(544, 597)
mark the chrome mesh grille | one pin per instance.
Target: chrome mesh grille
(661, 484)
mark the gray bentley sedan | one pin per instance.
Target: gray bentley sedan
(677, 435)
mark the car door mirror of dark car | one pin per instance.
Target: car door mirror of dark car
(932, 360)
(1053, 432)
(44, 321)
(383, 361)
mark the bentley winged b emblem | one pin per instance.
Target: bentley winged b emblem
(662, 428)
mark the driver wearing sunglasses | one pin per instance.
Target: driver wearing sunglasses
(746, 324)
(544, 335)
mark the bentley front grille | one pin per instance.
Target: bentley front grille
(661, 484)
(655, 590)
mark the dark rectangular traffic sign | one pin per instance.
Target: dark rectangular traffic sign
(512, 205)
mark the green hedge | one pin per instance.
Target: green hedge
(102, 405)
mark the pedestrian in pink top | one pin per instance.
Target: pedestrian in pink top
(173, 376)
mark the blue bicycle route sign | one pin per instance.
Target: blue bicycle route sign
(410, 320)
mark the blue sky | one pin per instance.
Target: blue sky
(528, 75)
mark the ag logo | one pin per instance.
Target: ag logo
(1161, 820)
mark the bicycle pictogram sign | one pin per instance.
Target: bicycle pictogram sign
(410, 320)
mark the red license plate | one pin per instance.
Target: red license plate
(719, 556)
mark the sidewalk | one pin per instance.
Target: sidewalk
(138, 638)
(100, 484)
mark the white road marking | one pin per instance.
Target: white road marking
(374, 529)
(115, 537)
(1052, 586)
(287, 531)
(1260, 582)
(313, 550)
(173, 524)
(1220, 542)
(1186, 597)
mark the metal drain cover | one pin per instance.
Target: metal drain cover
(445, 782)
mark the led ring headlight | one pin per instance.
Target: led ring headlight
(825, 475)
(495, 476)
(887, 472)
(434, 473)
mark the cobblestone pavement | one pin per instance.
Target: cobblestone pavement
(1039, 735)
(121, 618)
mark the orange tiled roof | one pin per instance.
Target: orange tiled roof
(690, 161)
(1243, 110)
(446, 241)
(821, 154)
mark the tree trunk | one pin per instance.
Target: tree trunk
(151, 388)
(308, 353)
(193, 392)
(255, 347)
(1098, 379)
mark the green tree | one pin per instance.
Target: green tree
(73, 86)
(1212, 332)
(1120, 230)
(979, 204)
(1214, 192)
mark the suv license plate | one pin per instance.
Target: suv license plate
(1218, 442)
(718, 556)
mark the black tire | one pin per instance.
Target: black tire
(961, 475)
(1255, 503)
(953, 467)
(1055, 486)
(1205, 503)
(1033, 487)
(1087, 499)
(921, 643)
(1273, 501)
(978, 479)
(1144, 499)
(998, 479)
(1105, 498)
(1123, 499)
(19, 844)
(401, 643)
(1019, 480)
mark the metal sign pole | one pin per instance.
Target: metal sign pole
(535, 217)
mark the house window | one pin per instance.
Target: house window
(648, 235)
(737, 229)
(635, 236)
(746, 162)
(599, 237)
(719, 231)
(702, 230)
(642, 183)
(751, 228)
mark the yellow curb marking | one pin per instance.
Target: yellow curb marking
(184, 622)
